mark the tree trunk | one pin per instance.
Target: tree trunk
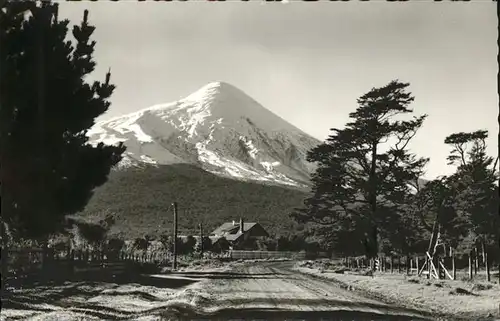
(373, 199)
(483, 250)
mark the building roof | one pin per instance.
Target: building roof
(229, 238)
(214, 238)
(228, 229)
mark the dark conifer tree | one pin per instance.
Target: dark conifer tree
(475, 187)
(364, 172)
(48, 169)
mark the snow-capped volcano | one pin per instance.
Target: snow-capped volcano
(219, 128)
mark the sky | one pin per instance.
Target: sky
(307, 62)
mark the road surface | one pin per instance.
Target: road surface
(251, 291)
(273, 291)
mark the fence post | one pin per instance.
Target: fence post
(392, 264)
(417, 263)
(439, 268)
(454, 268)
(476, 261)
(429, 269)
(72, 262)
(408, 264)
(487, 264)
(470, 265)
(399, 264)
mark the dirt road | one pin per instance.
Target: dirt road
(272, 291)
(251, 291)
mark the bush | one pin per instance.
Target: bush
(166, 241)
(114, 247)
(88, 233)
(141, 244)
(187, 245)
(207, 245)
(222, 245)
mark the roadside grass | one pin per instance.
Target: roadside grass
(460, 299)
(133, 296)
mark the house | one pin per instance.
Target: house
(237, 234)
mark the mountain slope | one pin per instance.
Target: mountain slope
(140, 199)
(220, 129)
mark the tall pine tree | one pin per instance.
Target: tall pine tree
(475, 185)
(364, 172)
(48, 169)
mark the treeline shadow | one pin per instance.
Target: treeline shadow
(226, 275)
(334, 314)
(328, 302)
(337, 310)
(121, 279)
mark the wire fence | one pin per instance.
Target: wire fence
(248, 255)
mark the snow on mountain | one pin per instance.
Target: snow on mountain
(219, 128)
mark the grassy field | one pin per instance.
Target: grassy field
(460, 299)
(131, 296)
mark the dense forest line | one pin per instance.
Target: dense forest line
(140, 200)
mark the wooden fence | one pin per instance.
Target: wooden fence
(27, 260)
(447, 266)
(249, 255)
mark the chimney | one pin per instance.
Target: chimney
(242, 227)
